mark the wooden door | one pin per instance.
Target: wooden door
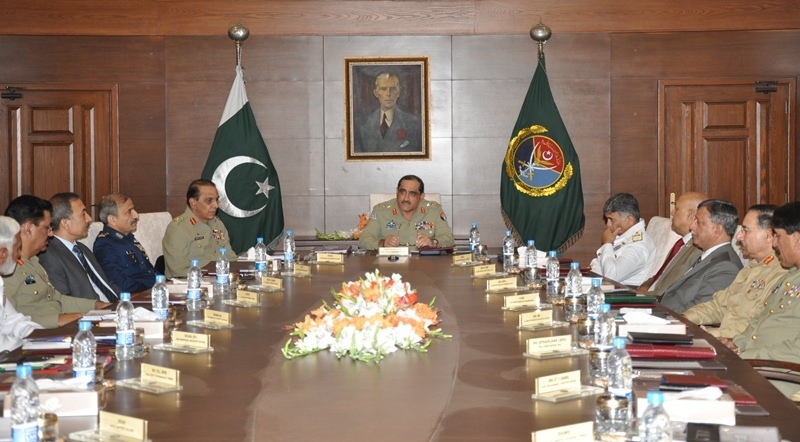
(57, 139)
(723, 138)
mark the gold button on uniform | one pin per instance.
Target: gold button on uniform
(753, 337)
(772, 310)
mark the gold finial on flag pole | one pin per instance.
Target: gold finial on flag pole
(239, 33)
(540, 34)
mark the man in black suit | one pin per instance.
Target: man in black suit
(388, 128)
(72, 267)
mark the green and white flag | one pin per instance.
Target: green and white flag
(239, 164)
(540, 184)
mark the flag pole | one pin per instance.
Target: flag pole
(539, 33)
(239, 33)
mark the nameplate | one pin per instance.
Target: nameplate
(302, 269)
(517, 301)
(501, 283)
(464, 258)
(268, 282)
(538, 318)
(160, 375)
(486, 269)
(191, 340)
(562, 383)
(553, 344)
(330, 258)
(248, 296)
(117, 424)
(397, 251)
(216, 317)
(582, 432)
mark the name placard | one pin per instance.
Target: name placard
(123, 425)
(248, 296)
(302, 269)
(518, 301)
(567, 382)
(486, 269)
(216, 317)
(552, 344)
(582, 432)
(160, 375)
(330, 258)
(501, 283)
(538, 318)
(269, 282)
(397, 251)
(464, 258)
(191, 340)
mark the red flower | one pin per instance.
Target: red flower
(401, 134)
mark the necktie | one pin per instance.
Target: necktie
(674, 251)
(384, 126)
(112, 297)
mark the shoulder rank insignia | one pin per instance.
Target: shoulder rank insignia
(192, 220)
(177, 219)
(638, 236)
(102, 234)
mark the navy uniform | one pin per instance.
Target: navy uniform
(387, 219)
(124, 260)
(188, 238)
(31, 293)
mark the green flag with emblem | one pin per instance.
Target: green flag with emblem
(239, 164)
(540, 184)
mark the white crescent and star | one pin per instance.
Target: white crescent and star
(221, 175)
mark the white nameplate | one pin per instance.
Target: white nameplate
(501, 283)
(216, 317)
(191, 340)
(561, 383)
(486, 269)
(396, 251)
(112, 423)
(268, 282)
(582, 432)
(463, 258)
(538, 318)
(517, 301)
(330, 258)
(553, 344)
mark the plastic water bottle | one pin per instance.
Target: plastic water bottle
(223, 285)
(654, 425)
(24, 406)
(160, 298)
(574, 280)
(552, 267)
(620, 371)
(288, 252)
(261, 259)
(194, 301)
(125, 328)
(595, 298)
(508, 252)
(84, 351)
(474, 237)
(604, 328)
(530, 255)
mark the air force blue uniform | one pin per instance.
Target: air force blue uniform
(124, 260)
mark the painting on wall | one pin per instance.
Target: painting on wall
(386, 108)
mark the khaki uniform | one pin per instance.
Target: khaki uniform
(187, 238)
(387, 219)
(733, 307)
(775, 333)
(31, 293)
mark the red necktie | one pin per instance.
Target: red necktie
(675, 249)
(384, 126)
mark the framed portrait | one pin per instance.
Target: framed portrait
(387, 112)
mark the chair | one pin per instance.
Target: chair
(150, 232)
(377, 198)
(778, 371)
(659, 229)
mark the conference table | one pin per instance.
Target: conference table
(474, 386)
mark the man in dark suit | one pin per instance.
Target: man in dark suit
(388, 129)
(713, 227)
(71, 266)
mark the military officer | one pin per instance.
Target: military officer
(407, 220)
(198, 233)
(28, 288)
(734, 306)
(117, 250)
(627, 253)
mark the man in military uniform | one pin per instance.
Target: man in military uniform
(118, 251)
(407, 220)
(733, 307)
(29, 288)
(15, 326)
(627, 252)
(198, 233)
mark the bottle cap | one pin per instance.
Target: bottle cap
(194, 262)
(574, 265)
(259, 239)
(84, 325)
(125, 296)
(605, 308)
(288, 233)
(531, 243)
(552, 254)
(655, 397)
(160, 279)
(474, 225)
(596, 282)
(619, 342)
(508, 233)
(23, 371)
(223, 250)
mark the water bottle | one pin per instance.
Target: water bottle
(508, 252)
(24, 406)
(654, 425)
(474, 239)
(620, 376)
(552, 267)
(223, 284)
(160, 298)
(288, 252)
(125, 328)
(530, 255)
(84, 351)
(604, 328)
(194, 301)
(574, 280)
(595, 298)
(261, 259)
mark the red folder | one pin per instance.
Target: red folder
(663, 351)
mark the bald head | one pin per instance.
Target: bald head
(685, 210)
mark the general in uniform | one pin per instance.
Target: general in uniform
(387, 219)
(189, 238)
(124, 260)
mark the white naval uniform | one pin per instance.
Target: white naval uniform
(628, 259)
